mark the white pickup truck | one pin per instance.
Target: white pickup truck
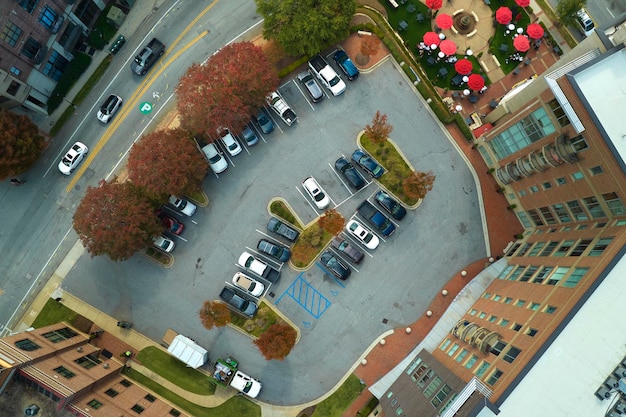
(327, 75)
(282, 109)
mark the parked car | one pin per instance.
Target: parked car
(335, 266)
(117, 44)
(349, 172)
(367, 163)
(311, 86)
(584, 23)
(316, 192)
(235, 300)
(390, 205)
(276, 251)
(163, 243)
(343, 246)
(171, 224)
(229, 141)
(347, 66)
(280, 228)
(363, 234)
(183, 205)
(263, 121)
(72, 158)
(217, 162)
(108, 109)
(248, 284)
(249, 136)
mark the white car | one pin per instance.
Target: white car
(248, 284)
(183, 205)
(246, 384)
(229, 141)
(108, 109)
(585, 23)
(163, 243)
(216, 161)
(316, 192)
(364, 235)
(72, 158)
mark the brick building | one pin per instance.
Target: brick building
(67, 366)
(558, 150)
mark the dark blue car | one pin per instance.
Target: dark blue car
(347, 66)
(367, 163)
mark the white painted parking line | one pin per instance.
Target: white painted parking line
(307, 201)
(341, 256)
(262, 257)
(272, 115)
(332, 167)
(241, 143)
(272, 238)
(303, 95)
(258, 131)
(220, 147)
(179, 237)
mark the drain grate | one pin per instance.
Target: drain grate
(385, 321)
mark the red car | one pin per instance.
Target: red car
(171, 224)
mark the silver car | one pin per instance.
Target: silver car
(311, 86)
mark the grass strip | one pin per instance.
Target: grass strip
(340, 400)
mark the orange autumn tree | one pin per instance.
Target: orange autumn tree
(332, 221)
(214, 314)
(418, 184)
(380, 129)
(277, 341)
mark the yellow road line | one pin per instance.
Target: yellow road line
(134, 99)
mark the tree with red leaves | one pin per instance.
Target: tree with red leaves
(116, 220)
(226, 91)
(167, 162)
(214, 314)
(379, 130)
(277, 341)
(20, 144)
(332, 221)
(418, 184)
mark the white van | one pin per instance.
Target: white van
(584, 23)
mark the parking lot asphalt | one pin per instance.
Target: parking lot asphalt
(338, 319)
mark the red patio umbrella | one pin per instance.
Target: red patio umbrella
(444, 21)
(434, 4)
(522, 3)
(521, 43)
(447, 47)
(463, 66)
(431, 38)
(475, 82)
(535, 31)
(504, 15)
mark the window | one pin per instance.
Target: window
(137, 408)
(522, 193)
(59, 335)
(520, 303)
(549, 309)
(413, 366)
(531, 332)
(524, 249)
(111, 392)
(516, 327)
(614, 204)
(174, 412)
(528, 130)
(535, 250)
(578, 142)
(494, 377)
(445, 344)
(508, 300)
(549, 248)
(487, 295)
(581, 247)
(534, 306)
(597, 170)
(564, 248)
(433, 387)
(13, 88)
(529, 273)
(576, 276)
(497, 298)
(426, 378)
(453, 349)
(513, 249)
(503, 322)
(523, 218)
(561, 181)
(497, 348)
(63, 371)
(88, 361)
(577, 176)
(149, 397)
(27, 345)
(459, 358)
(577, 211)
(517, 273)
(582, 226)
(546, 185)
(15, 71)
(95, 404)
(561, 213)
(418, 374)
(533, 189)
(620, 223)
(600, 246)
(11, 33)
(534, 216)
(558, 113)
(506, 271)
(599, 225)
(511, 354)
(399, 411)
(29, 5)
(473, 312)
(126, 383)
(558, 275)
(441, 395)
(492, 318)
(594, 207)
(471, 361)
(482, 315)
(48, 17)
(543, 273)
(31, 48)
(55, 66)
(547, 215)
(482, 368)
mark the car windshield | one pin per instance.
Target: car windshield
(215, 159)
(367, 237)
(233, 147)
(334, 81)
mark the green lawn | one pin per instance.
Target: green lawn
(236, 406)
(338, 402)
(176, 371)
(54, 312)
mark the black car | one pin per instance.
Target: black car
(367, 163)
(349, 172)
(335, 266)
(279, 252)
(390, 205)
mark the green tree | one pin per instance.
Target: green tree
(214, 314)
(166, 162)
(20, 144)
(566, 10)
(277, 341)
(115, 219)
(305, 27)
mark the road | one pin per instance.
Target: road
(601, 11)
